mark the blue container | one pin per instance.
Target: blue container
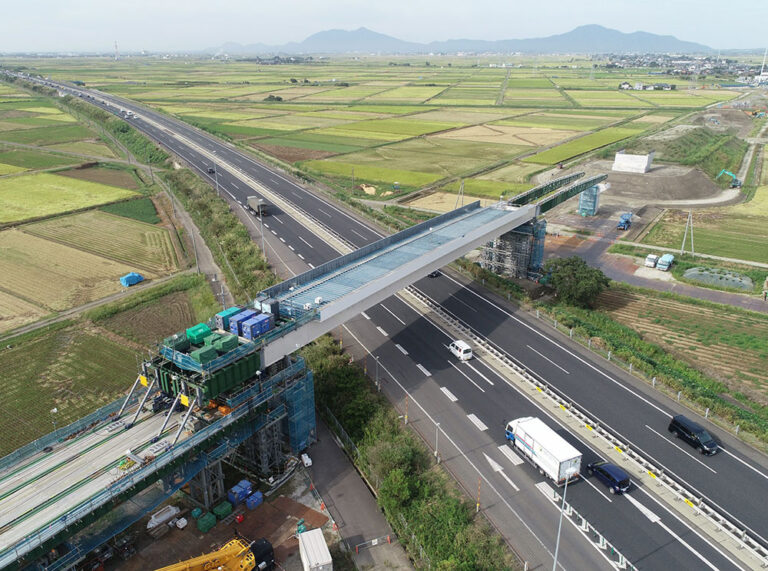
(246, 485)
(254, 500)
(263, 321)
(251, 328)
(223, 317)
(237, 495)
(236, 321)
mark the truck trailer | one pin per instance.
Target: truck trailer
(545, 449)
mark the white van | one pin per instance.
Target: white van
(650, 260)
(461, 350)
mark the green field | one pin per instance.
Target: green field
(581, 145)
(30, 159)
(42, 194)
(141, 209)
(72, 369)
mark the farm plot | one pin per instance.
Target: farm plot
(354, 93)
(733, 232)
(374, 174)
(42, 136)
(10, 169)
(135, 243)
(407, 94)
(42, 194)
(516, 172)
(55, 276)
(606, 99)
(509, 135)
(115, 177)
(93, 148)
(15, 312)
(73, 370)
(581, 145)
(28, 159)
(467, 96)
(706, 337)
(560, 121)
(685, 98)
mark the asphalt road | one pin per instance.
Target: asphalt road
(636, 413)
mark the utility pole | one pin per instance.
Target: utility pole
(261, 223)
(688, 224)
(437, 433)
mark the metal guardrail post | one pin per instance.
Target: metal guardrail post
(143, 400)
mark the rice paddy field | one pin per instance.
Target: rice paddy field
(412, 122)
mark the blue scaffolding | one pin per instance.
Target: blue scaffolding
(589, 201)
(300, 406)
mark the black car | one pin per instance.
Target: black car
(211, 170)
(611, 475)
(684, 428)
(435, 274)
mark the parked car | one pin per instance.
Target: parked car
(435, 274)
(684, 428)
(611, 475)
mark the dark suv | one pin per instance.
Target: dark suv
(611, 475)
(693, 434)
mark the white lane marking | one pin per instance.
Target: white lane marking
(282, 240)
(556, 344)
(477, 422)
(403, 351)
(423, 370)
(673, 443)
(454, 298)
(598, 491)
(358, 233)
(276, 219)
(496, 467)
(449, 394)
(510, 454)
(732, 455)
(384, 333)
(237, 187)
(543, 356)
(273, 181)
(452, 364)
(392, 314)
(307, 243)
(324, 212)
(656, 519)
(291, 248)
(693, 529)
(273, 232)
(266, 225)
(310, 265)
(364, 314)
(300, 256)
(489, 381)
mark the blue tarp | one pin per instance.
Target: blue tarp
(131, 279)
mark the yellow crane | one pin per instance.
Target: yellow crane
(236, 555)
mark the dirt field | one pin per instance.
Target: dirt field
(506, 134)
(54, 276)
(292, 154)
(110, 177)
(443, 201)
(706, 338)
(15, 312)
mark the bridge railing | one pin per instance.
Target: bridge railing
(51, 528)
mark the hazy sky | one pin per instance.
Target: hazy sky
(170, 25)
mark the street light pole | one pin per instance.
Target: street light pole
(53, 418)
(216, 176)
(378, 383)
(437, 433)
(570, 472)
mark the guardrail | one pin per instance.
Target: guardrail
(699, 504)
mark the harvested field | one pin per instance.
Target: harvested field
(73, 369)
(442, 201)
(707, 338)
(54, 276)
(508, 135)
(10, 169)
(111, 177)
(15, 312)
(93, 148)
(142, 246)
(43, 194)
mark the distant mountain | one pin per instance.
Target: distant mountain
(584, 39)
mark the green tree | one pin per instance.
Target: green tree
(395, 491)
(575, 282)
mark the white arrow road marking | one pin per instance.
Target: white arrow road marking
(656, 519)
(500, 471)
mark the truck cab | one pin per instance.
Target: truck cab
(625, 221)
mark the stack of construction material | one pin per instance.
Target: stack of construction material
(207, 522)
(222, 510)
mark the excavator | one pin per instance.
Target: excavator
(735, 182)
(235, 555)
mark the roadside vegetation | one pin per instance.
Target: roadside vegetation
(417, 498)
